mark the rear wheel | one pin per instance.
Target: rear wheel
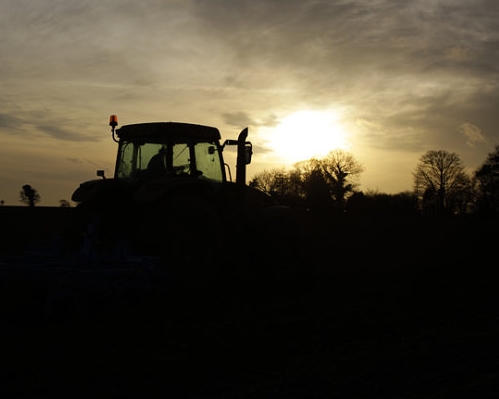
(184, 232)
(284, 256)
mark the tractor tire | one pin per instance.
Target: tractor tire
(284, 258)
(185, 232)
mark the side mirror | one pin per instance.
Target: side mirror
(248, 152)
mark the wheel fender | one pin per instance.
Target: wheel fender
(95, 190)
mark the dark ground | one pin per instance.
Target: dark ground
(395, 310)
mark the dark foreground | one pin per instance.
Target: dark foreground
(402, 321)
(349, 341)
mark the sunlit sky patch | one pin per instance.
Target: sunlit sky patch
(306, 134)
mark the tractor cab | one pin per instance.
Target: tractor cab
(172, 149)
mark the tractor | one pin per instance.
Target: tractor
(172, 198)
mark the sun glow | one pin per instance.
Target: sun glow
(307, 134)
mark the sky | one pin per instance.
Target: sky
(385, 80)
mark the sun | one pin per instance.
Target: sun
(306, 134)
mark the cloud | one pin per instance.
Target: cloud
(55, 131)
(237, 119)
(472, 133)
(9, 122)
(74, 160)
(459, 52)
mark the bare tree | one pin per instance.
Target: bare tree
(270, 181)
(333, 177)
(440, 183)
(284, 185)
(29, 195)
(320, 184)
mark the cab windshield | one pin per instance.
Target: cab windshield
(146, 160)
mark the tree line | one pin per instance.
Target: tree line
(30, 196)
(441, 186)
(329, 184)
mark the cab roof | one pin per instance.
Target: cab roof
(170, 129)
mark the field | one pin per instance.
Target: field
(396, 308)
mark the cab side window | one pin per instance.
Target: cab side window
(208, 161)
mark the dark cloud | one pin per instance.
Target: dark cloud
(325, 45)
(64, 134)
(29, 125)
(237, 119)
(9, 123)
(74, 160)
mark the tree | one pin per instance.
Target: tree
(331, 179)
(29, 195)
(441, 184)
(64, 203)
(271, 182)
(487, 183)
(284, 185)
(319, 184)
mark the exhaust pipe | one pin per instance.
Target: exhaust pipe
(241, 158)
